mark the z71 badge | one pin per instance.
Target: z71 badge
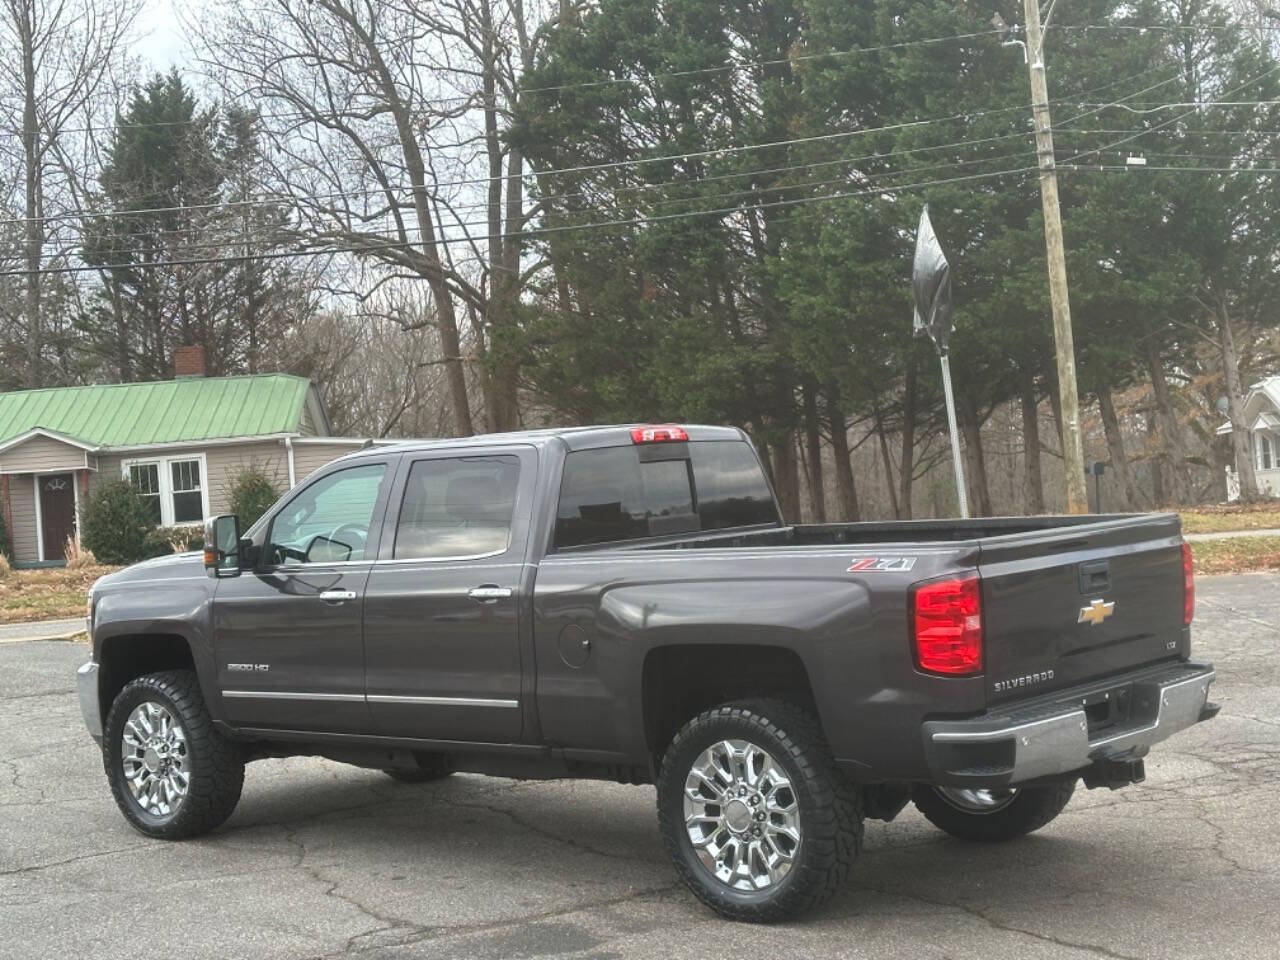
(864, 564)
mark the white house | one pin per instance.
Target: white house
(1262, 413)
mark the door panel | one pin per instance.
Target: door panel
(57, 513)
(287, 658)
(288, 635)
(441, 622)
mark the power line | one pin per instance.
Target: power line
(1144, 109)
(542, 231)
(286, 234)
(479, 98)
(1172, 120)
(698, 154)
(1102, 167)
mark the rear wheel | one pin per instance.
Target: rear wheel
(759, 822)
(173, 776)
(992, 814)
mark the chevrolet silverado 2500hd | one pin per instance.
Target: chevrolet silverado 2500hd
(627, 603)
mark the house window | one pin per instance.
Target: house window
(188, 496)
(173, 488)
(1266, 451)
(146, 479)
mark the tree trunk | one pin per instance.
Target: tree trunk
(1031, 444)
(906, 463)
(975, 464)
(813, 453)
(890, 484)
(34, 246)
(1241, 439)
(1171, 450)
(1158, 497)
(786, 478)
(846, 491)
(1115, 445)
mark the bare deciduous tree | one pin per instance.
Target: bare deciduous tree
(62, 52)
(387, 122)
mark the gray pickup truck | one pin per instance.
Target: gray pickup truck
(626, 603)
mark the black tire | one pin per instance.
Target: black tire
(829, 806)
(1030, 809)
(431, 766)
(216, 763)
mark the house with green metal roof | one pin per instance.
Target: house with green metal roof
(180, 441)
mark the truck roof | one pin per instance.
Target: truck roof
(574, 438)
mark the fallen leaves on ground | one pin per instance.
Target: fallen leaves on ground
(1236, 555)
(50, 593)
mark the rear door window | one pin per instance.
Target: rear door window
(626, 493)
(458, 508)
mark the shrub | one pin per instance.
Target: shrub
(77, 556)
(114, 523)
(163, 541)
(5, 567)
(251, 494)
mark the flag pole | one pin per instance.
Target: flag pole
(955, 436)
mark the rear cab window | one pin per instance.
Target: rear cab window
(633, 492)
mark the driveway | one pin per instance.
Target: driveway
(322, 860)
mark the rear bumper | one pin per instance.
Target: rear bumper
(87, 687)
(1049, 737)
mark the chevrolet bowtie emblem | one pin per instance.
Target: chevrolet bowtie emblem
(1096, 612)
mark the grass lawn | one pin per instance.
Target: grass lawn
(52, 593)
(1236, 555)
(1261, 516)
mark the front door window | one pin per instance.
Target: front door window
(329, 521)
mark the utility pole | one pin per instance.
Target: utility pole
(1064, 345)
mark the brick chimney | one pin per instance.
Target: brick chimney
(188, 361)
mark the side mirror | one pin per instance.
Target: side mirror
(222, 545)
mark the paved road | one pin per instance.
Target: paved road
(322, 860)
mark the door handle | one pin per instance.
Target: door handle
(337, 596)
(488, 593)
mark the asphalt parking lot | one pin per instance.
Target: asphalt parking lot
(322, 860)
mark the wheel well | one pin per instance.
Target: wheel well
(682, 681)
(126, 658)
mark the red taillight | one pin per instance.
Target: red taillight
(1188, 586)
(666, 433)
(947, 625)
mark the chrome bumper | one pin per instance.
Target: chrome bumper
(1050, 738)
(87, 687)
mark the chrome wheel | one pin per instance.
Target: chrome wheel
(742, 815)
(153, 751)
(977, 801)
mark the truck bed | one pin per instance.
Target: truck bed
(915, 532)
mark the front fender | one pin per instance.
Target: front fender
(169, 607)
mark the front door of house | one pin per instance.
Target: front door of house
(57, 513)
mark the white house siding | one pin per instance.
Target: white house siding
(22, 501)
(42, 455)
(309, 457)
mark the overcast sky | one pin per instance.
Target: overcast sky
(160, 36)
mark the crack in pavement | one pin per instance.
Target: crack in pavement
(33, 868)
(445, 931)
(543, 832)
(978, 913)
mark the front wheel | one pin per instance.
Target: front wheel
(992, 814)
(758, 820)
(172, 774)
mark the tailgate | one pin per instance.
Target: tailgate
(1067, 605)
